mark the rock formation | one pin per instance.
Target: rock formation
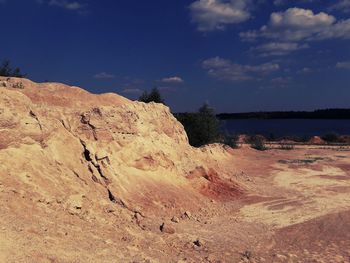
(83, 153)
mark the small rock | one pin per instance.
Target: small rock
(198, 243)
(138, 216)
(282, 257)
(167, 229)
(110, 209)
(175, 219)
(187, 215)
(247, 255)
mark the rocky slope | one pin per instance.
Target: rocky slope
(64, 151)
(99, 178)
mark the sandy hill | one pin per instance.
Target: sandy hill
(65, 151)
(99, 178)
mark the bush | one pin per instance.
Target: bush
(271, 137)
(153, 96)
(231, 140)
(7, 71)
(331, 137)
(201, 127)
(257, 143)
(18, 85)
(286, 146)
(304, 138)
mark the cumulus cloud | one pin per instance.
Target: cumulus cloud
(342, 6)
(174, 79)
(104, 75)
(297, 24)
(224, 69)
(278, 48)
(343, 65)
(210, 15)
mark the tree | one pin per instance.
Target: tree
(209, 124)
(7, 71)
(153, 96)
(201, 127)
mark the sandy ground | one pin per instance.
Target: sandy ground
(295, 208)
(98, 178)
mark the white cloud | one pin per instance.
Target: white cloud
(305, 70)
(297, 24)
(66, 4)
(224, 69)
(210, 15)
(278, 48)
(342, 6)
(343, 65)
(104, 75)
(174, 79)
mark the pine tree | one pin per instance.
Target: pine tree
(7, 71)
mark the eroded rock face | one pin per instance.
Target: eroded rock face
(58, 142)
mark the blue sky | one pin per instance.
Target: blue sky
(237, 55)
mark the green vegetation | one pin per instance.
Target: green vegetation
(18, 85)
(201, 127)
(317, 114)
(286, 146)
(153, 96)
(257, 142)
(231, 140)
(331, 138)
(7, 71)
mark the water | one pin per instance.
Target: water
(287, 127)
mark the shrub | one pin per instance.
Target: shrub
(201, 127)
(331, 137)
(18, 85)
(286, 146)
(304, 138)
(153, 96)
(231, 140)
(257, 143)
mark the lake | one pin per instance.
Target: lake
(287, 127)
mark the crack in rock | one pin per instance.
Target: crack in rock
(85, 119)
(33, 115)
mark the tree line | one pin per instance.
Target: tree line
(317, 114)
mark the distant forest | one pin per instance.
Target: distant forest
(317, 114)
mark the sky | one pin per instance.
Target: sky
(236, 55)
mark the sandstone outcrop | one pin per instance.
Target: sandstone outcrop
(62, 144)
